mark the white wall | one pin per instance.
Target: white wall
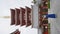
(55, 23)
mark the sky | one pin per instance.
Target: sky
(5, 6)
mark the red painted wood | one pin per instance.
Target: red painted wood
(45, 32)
(17, 16)
(16, 32)
(12, 16)
(23, 11)
(43, 21)
(45, 29)
(28, 16)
